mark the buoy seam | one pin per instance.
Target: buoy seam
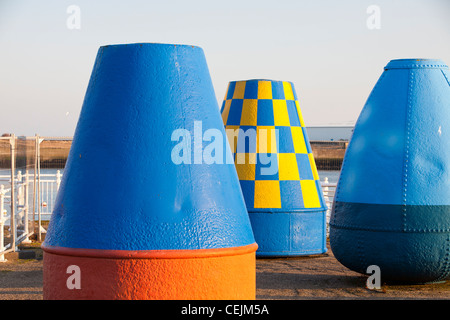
(360, 250)
(406, 151)
(151, 254)
(415, 66)
(274, 211)
(291, 253)
(446, 267)
(412, 230)
(445, 76)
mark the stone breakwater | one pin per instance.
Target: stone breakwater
(53, 153)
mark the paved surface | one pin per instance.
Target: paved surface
(323, 277)
(20, 279)
(318, 277)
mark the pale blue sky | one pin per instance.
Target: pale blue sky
(324, 47)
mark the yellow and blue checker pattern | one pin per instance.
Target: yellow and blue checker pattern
(265, 128)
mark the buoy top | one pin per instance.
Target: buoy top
(261, 89)
(152, 44)
(415, 63)
(256, 80)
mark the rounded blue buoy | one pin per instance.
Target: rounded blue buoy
(392, 203)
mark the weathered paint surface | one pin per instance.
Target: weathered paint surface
(137, 96)
(286, 205)
(143, 275)
(392, 204)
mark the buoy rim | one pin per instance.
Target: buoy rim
(411, 63)
(293, 210)
(150, 254)
(141, 44)
(256, 80)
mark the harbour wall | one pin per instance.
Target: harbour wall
(53, 153)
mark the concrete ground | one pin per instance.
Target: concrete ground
(323, 277)
(315, 277)
(21, 279)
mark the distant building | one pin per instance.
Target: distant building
(324, 133)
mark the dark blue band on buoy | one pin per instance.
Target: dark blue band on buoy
(391, 218)
(392, 202)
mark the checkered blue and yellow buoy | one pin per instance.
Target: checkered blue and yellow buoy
(276, 167)
(136, 217)
(392, 203)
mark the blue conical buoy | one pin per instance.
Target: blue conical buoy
(142, 211)
(392, 204)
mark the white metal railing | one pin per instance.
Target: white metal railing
(49, 186)
(27, 205)
(329, 190)
(3, 193)
(19, 208)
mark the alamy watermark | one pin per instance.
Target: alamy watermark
(374, 281)
(190, 147)
(73, 21)
(373, 21)
(74, 280)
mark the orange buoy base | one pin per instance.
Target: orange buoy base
(203, 274)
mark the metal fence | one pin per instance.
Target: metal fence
(26, 194)
(15, 209)
(329, 190)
